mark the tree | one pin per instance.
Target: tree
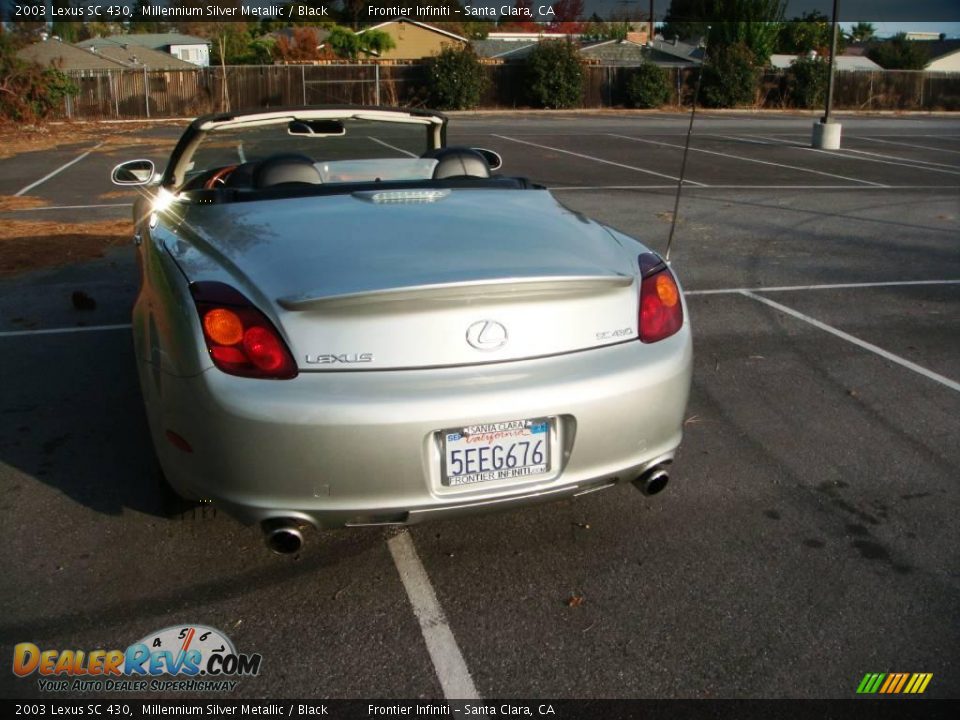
(807, 82)
(457, 79)
(522, 20)
(753, 23)
(862, 32)
(299, 46)
(28, 91)
(688, 19)
(730, 77)
(649, 87)
(567, 16)
(898, 53)
(348, 44)
(554, 74)
(812, 31)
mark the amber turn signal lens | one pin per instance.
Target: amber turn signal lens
(667, 290)
(223, 327)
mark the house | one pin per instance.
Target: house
(414, 40)
(66, 56)
(615, 52)
(841, 63)
(134, 56)
(944, 55)
(192, 49)
(500, 50)
(675, 53)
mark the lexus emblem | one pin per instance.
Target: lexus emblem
(487, 335)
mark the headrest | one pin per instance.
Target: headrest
(279, 169)
(460, 162)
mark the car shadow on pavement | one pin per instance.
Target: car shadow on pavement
(73, 419)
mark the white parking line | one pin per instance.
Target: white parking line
(899, 157)
(61, 331)
(447, 659)
(910, 145)
(945, 381)
(393, 147)
(753, 160)
(834, 286)
(599, 160)
(883, 162)
(60, 169)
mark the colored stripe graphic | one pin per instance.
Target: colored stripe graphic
(894, 683)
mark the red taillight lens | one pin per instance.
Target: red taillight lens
(240, 339)
(661, 312)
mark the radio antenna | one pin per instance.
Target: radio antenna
(686, 148)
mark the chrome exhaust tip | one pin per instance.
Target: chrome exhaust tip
(283, 536)
(652, 481)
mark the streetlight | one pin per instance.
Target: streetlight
(826, 132)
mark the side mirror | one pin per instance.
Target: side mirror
(133, 172)
(493, 158)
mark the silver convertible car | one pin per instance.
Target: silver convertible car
(342, 321)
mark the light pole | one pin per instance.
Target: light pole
(826, 132)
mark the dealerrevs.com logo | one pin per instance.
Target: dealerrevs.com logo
(191, 658)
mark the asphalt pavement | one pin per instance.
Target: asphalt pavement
(808, 535)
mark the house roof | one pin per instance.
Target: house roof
(616, 52)
(502, 49)
(841, 62)
(425, 26)
(679, 50)
(155, 41)
(66, 56)
(137, 56)
(941, 48)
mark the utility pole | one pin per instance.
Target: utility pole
(826, 132)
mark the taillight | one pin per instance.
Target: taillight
(240, 339)
(661, 312)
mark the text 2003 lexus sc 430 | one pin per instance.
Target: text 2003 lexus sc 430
(342, 321)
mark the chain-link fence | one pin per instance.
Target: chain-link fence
(135, 94)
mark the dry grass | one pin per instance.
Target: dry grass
(31, 245)
(16, 139)
(9, 203)
(117, 194)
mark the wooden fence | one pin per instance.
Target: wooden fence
(133, 94)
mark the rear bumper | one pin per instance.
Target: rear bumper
(354, 448)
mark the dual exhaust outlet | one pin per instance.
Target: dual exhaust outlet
(284, 537)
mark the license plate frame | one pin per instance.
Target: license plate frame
(519, 450)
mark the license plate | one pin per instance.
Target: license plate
(496, 451)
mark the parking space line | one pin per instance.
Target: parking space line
(910, 145)
(447, 659)
(753, 160)
(60, 331)
(60, 169)
(936, 377)
(833, 286)
(599, 160)
(393, 147)
(882, 162)
(909, 160)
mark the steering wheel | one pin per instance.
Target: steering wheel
(219, 177)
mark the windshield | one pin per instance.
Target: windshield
(343, 150)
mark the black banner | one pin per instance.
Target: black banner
(439, 11)
(892, 709)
